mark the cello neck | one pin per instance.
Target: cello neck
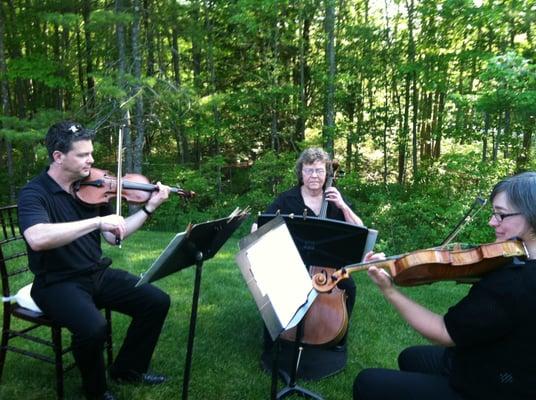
(324, 208)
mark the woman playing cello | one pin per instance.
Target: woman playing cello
(312, 169)
(484, 345)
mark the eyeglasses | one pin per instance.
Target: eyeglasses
(500, 216)
(310, 171)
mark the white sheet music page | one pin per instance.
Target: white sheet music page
(280, 273)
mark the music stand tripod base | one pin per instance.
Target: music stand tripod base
(291, 387)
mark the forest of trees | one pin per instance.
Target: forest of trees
(214, 87)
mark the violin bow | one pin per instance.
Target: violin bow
(118, 201)
(467, 218)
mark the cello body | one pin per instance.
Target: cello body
(326, 322)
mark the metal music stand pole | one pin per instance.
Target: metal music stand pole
(193, 320)
(291, 387)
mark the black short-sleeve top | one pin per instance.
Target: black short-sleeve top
(494, 329)
(291, 202)
(42, 200)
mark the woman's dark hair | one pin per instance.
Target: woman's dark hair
(60, 136)
(521, 192)
(309, 156)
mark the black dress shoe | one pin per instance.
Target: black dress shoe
(108, 396)
(137, 378)
(153, 379)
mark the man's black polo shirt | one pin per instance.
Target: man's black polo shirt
(494, 328)
(42, 200)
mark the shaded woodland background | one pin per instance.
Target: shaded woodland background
(425, 103)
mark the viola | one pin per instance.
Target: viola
(326, 320)
(99, 187)
(433, 265)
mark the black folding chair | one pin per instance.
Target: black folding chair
(20, 324)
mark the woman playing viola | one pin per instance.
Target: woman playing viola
(484, 345)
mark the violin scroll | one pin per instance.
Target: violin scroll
(187, 194)
(323, 282)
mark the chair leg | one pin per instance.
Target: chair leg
(58, 354)
(109, 342)
(5, 337)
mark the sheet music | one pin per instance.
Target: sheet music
(280, 273)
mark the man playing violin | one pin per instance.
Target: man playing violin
(312, 168)
(484, 345)
(72, 279)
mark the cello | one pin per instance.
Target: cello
(326, 322)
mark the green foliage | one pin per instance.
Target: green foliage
(422, 215)
(40, 68)
(509, 84)
(68, 20)
(270, 175)
(102, 19)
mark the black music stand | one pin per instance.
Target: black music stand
(319, 242)
(200, 242)
(278, 280)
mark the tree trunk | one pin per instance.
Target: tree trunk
(496, 140)
(507, 133)
(125, 116)
(329, 111)
(180, 131)
(4, 90)
(149, 37)
(56, 97)
(80, 67)
(524, 159)
(304, 74)
(197, 41)
(415, 96)
(137, 154)
(90, 81)
(485, 138)
(213, 88)
(384, 136)
(274, 45)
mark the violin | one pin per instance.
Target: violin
(99, 187)
(326, 321)
(433, 265)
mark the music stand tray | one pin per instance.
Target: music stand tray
(196, 244)
(326, 242)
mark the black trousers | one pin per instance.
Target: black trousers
(424, 374)
(76, 305)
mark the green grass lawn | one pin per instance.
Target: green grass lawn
(229, 334)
